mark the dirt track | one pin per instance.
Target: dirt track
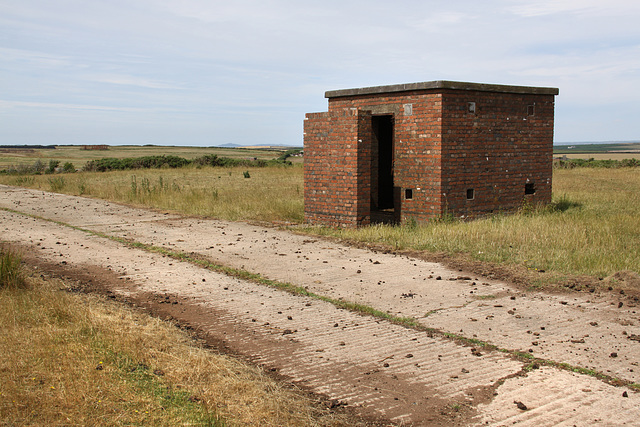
(377, 368)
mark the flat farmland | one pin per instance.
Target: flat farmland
(614, 151)
(603, 156)
(79, 156)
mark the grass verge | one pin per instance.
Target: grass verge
(233, 193)
(590, 229)
(75, 359)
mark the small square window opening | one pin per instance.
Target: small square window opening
(470, 194)
(408, 194)
(530, 188)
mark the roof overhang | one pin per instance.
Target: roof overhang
(441, 85)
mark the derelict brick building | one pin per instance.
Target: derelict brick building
(423, 150)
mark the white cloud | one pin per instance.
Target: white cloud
(129, 80)
(7, 104)
(578, 7)
(33, 58)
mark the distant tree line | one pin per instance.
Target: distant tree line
(39, 167)
(593, 163)
(23, 147)
(147, 162)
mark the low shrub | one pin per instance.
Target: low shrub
(68, 167)
(53, 164)
(147, 162)
(173, 162)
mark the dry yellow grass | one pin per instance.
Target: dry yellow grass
(601, 156)
(269, 194)
(593, 232)
(74, 359)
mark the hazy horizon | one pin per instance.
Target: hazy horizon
(232, 145)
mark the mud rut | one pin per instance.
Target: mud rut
(371, 365)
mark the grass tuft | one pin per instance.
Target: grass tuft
(56, 184)
(11, 272)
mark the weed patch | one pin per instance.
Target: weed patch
(56, 184)
(11, 273)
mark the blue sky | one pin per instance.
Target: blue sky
(207, 72)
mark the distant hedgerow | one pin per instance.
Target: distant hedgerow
(157, 162)
(593, 163)
(147, 162)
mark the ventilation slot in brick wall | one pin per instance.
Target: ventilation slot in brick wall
(471, 107)
(408, 194)
(470, 194)
(530, 188)
(531, 110)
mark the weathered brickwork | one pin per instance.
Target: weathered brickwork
(462, 149)
(496, 151)
(331, 173)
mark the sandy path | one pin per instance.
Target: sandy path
(372, 365)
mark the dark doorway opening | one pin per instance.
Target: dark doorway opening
(382, 186)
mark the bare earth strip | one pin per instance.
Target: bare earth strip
(378, 368)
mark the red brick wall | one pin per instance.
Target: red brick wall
(335, 173)
(417, 146)
(418, 156)
(496, 150)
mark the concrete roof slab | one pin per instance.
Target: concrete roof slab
(441, 85)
